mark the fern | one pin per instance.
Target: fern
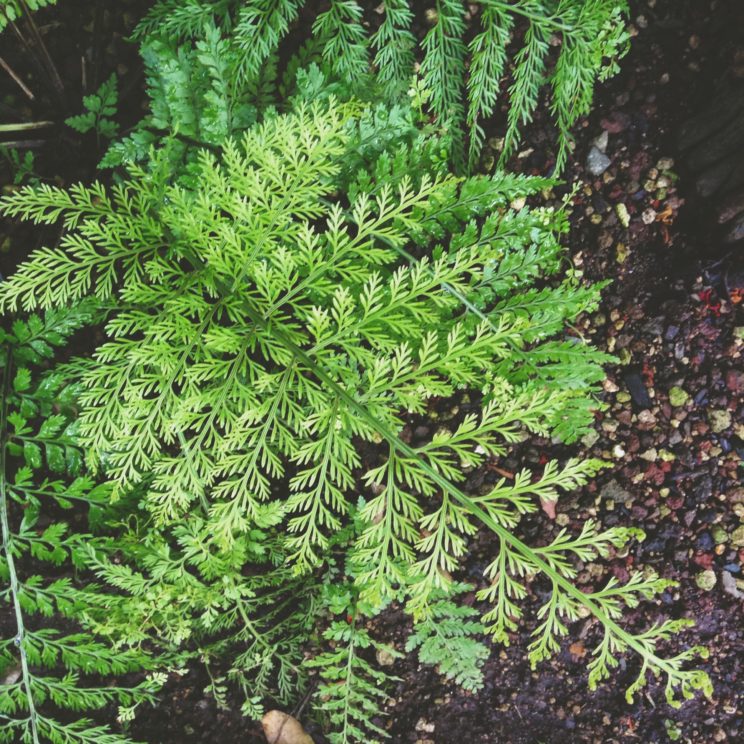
(353, 689)
(591, 35)
(443, 66)
(195, 97)
(446, 639)
(344, 40)
(488, 51)
(260, 26)
(99, 108)
(262, 324)
(43, 666)
(177, 593)
(394, 44)
(12, 10)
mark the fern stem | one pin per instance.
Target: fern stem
(349, 680)
(9, 558)
(525, 13)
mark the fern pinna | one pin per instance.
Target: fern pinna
(12, 10)
(46, 668)
(464, 53)
(282, 308)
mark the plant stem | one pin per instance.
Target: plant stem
(46, 57)
(26, 126)
(7, 540)
(16, 78)
(511, 7)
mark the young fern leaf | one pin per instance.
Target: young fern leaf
(446, 639)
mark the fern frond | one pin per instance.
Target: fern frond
(280, 322)
(589, 36)
(443, 64)
(343, 38)
(394, 44)
(40, 665)
(446, 637)
(352, 689)
(488, 51)
(260, 27)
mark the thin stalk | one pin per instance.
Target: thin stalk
(48, 62)
(16, 79)
(23, 144)
(9, 558)
(26, 126)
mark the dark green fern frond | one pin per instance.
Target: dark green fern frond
(344, 39)
(44, 668)
(529, 78)
(488, 56)
(394, 45)
(259, 28)
(564, 46)
(443, 64)
(353, 688)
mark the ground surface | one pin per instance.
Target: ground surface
(673, 427)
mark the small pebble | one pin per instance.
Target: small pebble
(706, 580)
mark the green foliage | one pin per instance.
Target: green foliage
(590, 37)
(446, 638)
(178, 592)
(12, 10)
(44, 665)
(353, 688)
(100, 106)
(195, 96)
(309, 291)
(21, 166)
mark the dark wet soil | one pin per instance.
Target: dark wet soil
(673, 426)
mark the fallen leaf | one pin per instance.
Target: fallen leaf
(11, 675)
(577, 649)
(548, 506)
(281, 728)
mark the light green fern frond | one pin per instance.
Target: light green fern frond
(265, 324)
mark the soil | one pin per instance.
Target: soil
(673, 424)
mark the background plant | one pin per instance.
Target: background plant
(100, 107)
(47, 662)
(12, 10)
(465, 72)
